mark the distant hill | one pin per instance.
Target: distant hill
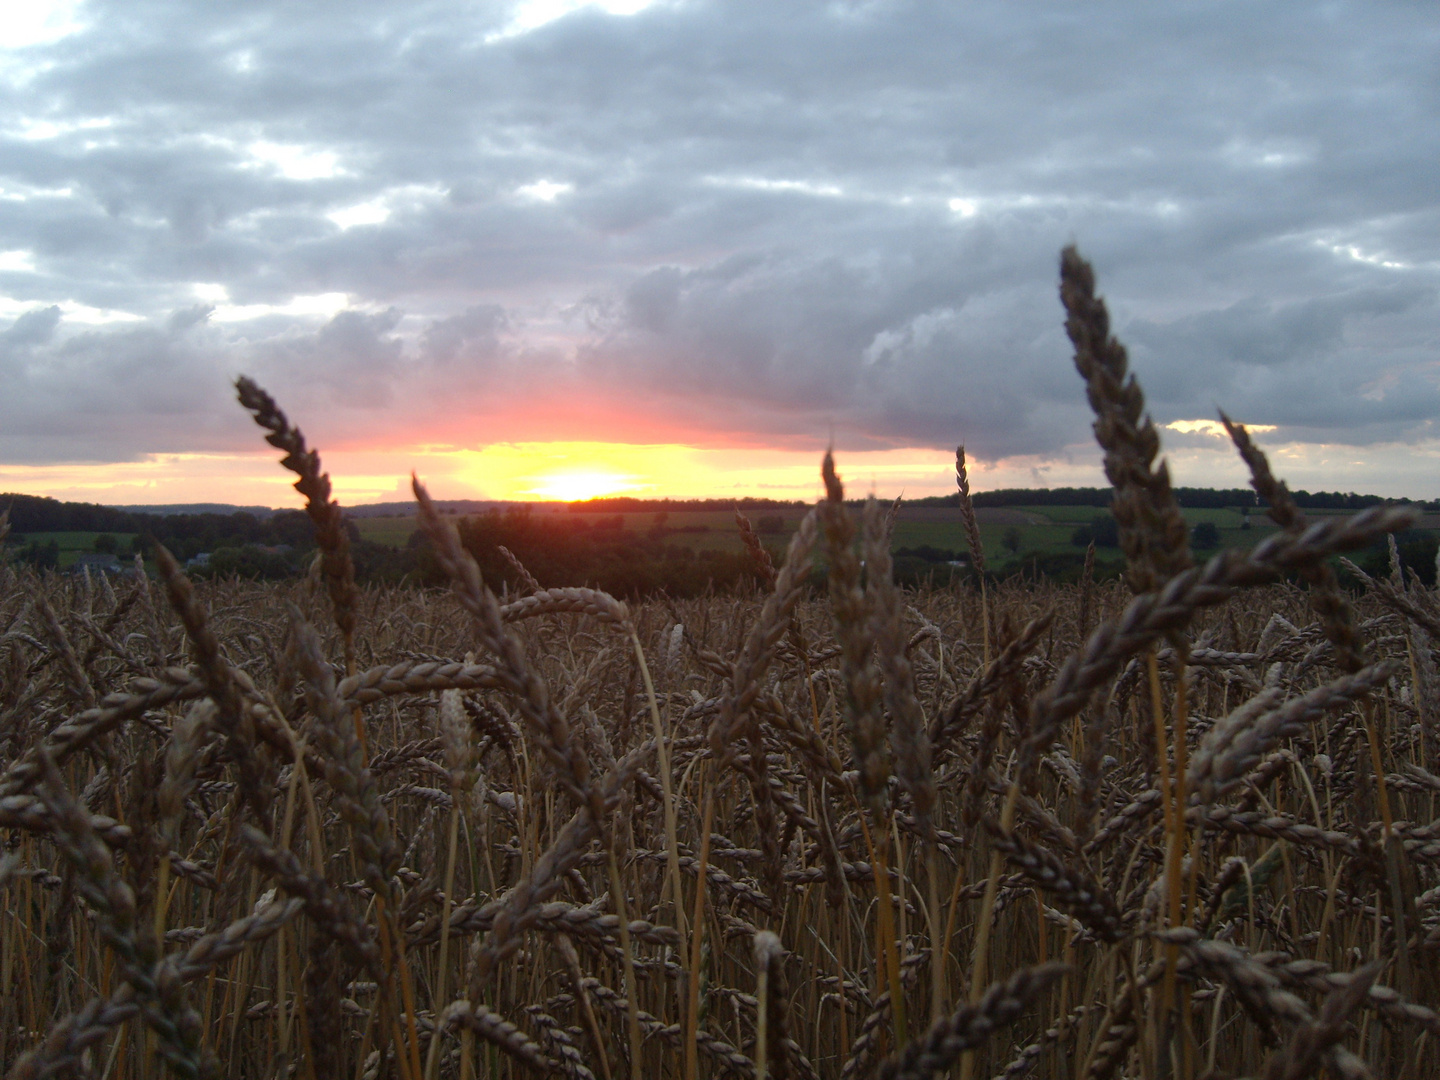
(37, 513)
(369, 510)
(166, 509)
(626, 504)
(1190, 498)
(446, 506)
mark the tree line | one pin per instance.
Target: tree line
(1188, 497)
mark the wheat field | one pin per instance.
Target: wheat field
(1180, 825)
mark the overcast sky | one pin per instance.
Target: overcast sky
(444, 228)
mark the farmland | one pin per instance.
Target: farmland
(449, 753)
(1041, 530)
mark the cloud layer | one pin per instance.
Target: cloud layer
(738, 223)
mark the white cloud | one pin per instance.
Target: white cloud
(36, 130)
(13, 309)
(544, 190)
(296, 162)
(39, 22)
(373, 212)
(378, 210)
(25, 192)
(1214, 428)
(325, 304)
(760, 183)
(529, 15)
(17, 262)
(72, 311)
(84, 313)
(1359, 254)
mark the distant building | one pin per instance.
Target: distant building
(96, 563)
(199, 562)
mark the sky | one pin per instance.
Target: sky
(550, 249)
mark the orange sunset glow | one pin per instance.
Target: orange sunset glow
(573, 471)
(550, 471)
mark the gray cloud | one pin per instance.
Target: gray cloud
(476, 331)
(34, 328)
(106, 395)
(751, 220)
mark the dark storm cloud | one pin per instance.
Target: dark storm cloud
(766, 220)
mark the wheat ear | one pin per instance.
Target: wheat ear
(971, 1025)
(861, 679)
(977, 547)
(336, 564)
(1336, 616)
(1152, 530)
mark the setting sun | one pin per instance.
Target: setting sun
(576, 486)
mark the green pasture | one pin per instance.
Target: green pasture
(73, 544)
(393, 531)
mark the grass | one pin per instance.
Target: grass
(394, 531)
(74, 544)
(1183, 827)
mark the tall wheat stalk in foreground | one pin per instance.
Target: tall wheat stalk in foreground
(1184, 826)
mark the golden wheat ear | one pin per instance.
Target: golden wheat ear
(330, 534)
(1153, 533)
